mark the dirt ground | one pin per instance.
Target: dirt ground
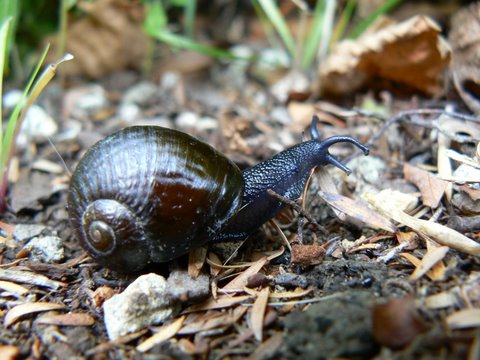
(335, 275)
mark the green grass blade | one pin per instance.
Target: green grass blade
(189, 11)
(276, 18)
(156, 17)
(9, 9)
(182, 42)
(3, 55)
(343, 21)
(382, 9)
(320, 34)
(14, 119)
(266, 24)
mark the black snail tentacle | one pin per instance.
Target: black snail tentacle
(314, 134)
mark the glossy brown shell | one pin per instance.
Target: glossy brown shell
(150, 194)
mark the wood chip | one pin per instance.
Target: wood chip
(466, 318)
(258, 313)
(166, 332)
(19, 311)
(70, 319)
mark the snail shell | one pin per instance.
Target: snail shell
(150, 194)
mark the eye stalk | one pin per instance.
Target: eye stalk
(325, 144)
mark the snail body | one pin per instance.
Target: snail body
(150, 194)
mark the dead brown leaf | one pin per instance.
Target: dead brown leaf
(258, 313)
(411, 53)
(213, 320)
(70, 319)
(196, 259)
(9, 352)
(223, 301)
(13, 288)
(164, 333)
(238, 283)
(440, 233)
(17, 312)
(107, 39)
(431, 187)
(465, 49)
(268, 348)
(431, 258)
(466, 318)
(358, 211)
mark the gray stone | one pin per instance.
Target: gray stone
(47, 249)
(141, 94)
(183, 287)
(129, 112)
(37, 126)
(144, 302)
(82, 102)
(24, 232)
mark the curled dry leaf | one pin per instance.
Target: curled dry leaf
(411, 53)
(19, 311)
(358, 211)
(440, 233)
(431, 258)
(431, 187)
(465, 54)
(108, 38)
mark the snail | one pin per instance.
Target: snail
(150, 194)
